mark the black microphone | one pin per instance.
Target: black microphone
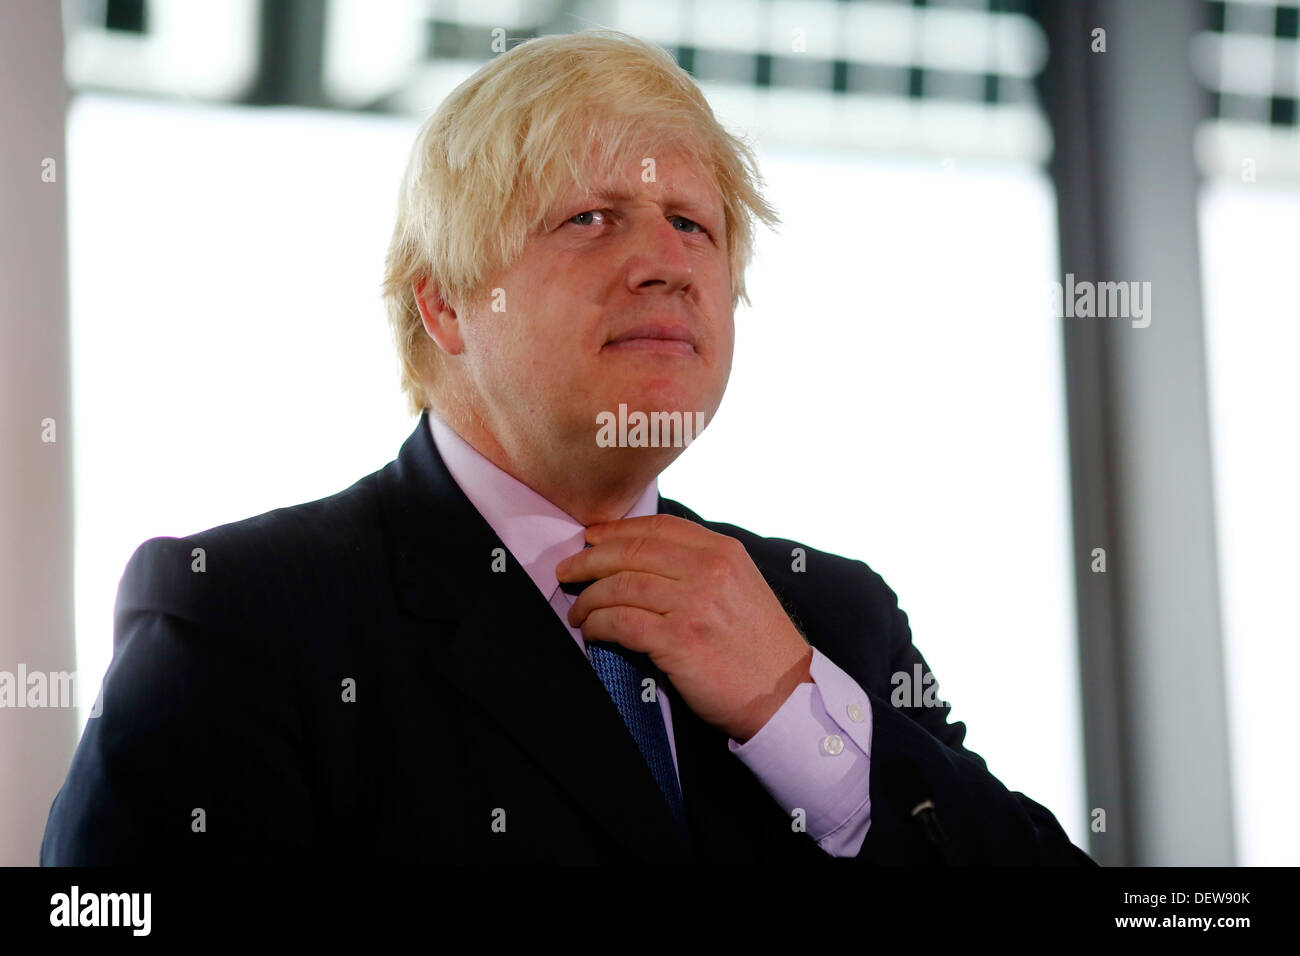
(907, 788)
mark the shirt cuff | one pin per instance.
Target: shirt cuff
(814, 754)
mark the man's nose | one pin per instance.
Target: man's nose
(658, 260)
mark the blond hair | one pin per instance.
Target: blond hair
(507, 142)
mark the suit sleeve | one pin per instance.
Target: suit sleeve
(196, 755)
(916, 754)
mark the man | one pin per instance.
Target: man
(505, 646)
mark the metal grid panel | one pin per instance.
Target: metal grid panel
(901, 70)
(1248, 59)
(889, 74)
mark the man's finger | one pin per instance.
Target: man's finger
(662, 526)
(650, 555)
(650, 592)
(632, 627)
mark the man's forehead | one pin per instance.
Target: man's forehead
(673, 178)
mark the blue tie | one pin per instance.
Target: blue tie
(622, 672)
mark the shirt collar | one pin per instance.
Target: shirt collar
(536, 532)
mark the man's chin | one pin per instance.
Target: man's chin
(627, 460)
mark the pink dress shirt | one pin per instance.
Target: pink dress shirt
(812, 755)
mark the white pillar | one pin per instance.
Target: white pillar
(36, 581)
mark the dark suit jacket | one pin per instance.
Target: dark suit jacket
(227, 736)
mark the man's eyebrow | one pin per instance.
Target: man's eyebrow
(614, 194)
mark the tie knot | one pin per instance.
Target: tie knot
(574, 588)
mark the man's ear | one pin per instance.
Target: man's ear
(440, 319)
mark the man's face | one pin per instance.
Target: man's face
(609, 272)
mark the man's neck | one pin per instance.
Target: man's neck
(587, 493)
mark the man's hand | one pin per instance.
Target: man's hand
(694, 602)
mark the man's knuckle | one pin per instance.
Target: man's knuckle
(718, 565)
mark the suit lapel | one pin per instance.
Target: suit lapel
(492, 635)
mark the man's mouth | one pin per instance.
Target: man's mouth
(654, 337)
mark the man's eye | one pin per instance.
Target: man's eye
(581, 219)
(589, 212)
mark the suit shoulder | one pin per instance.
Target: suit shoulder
(254, 568)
